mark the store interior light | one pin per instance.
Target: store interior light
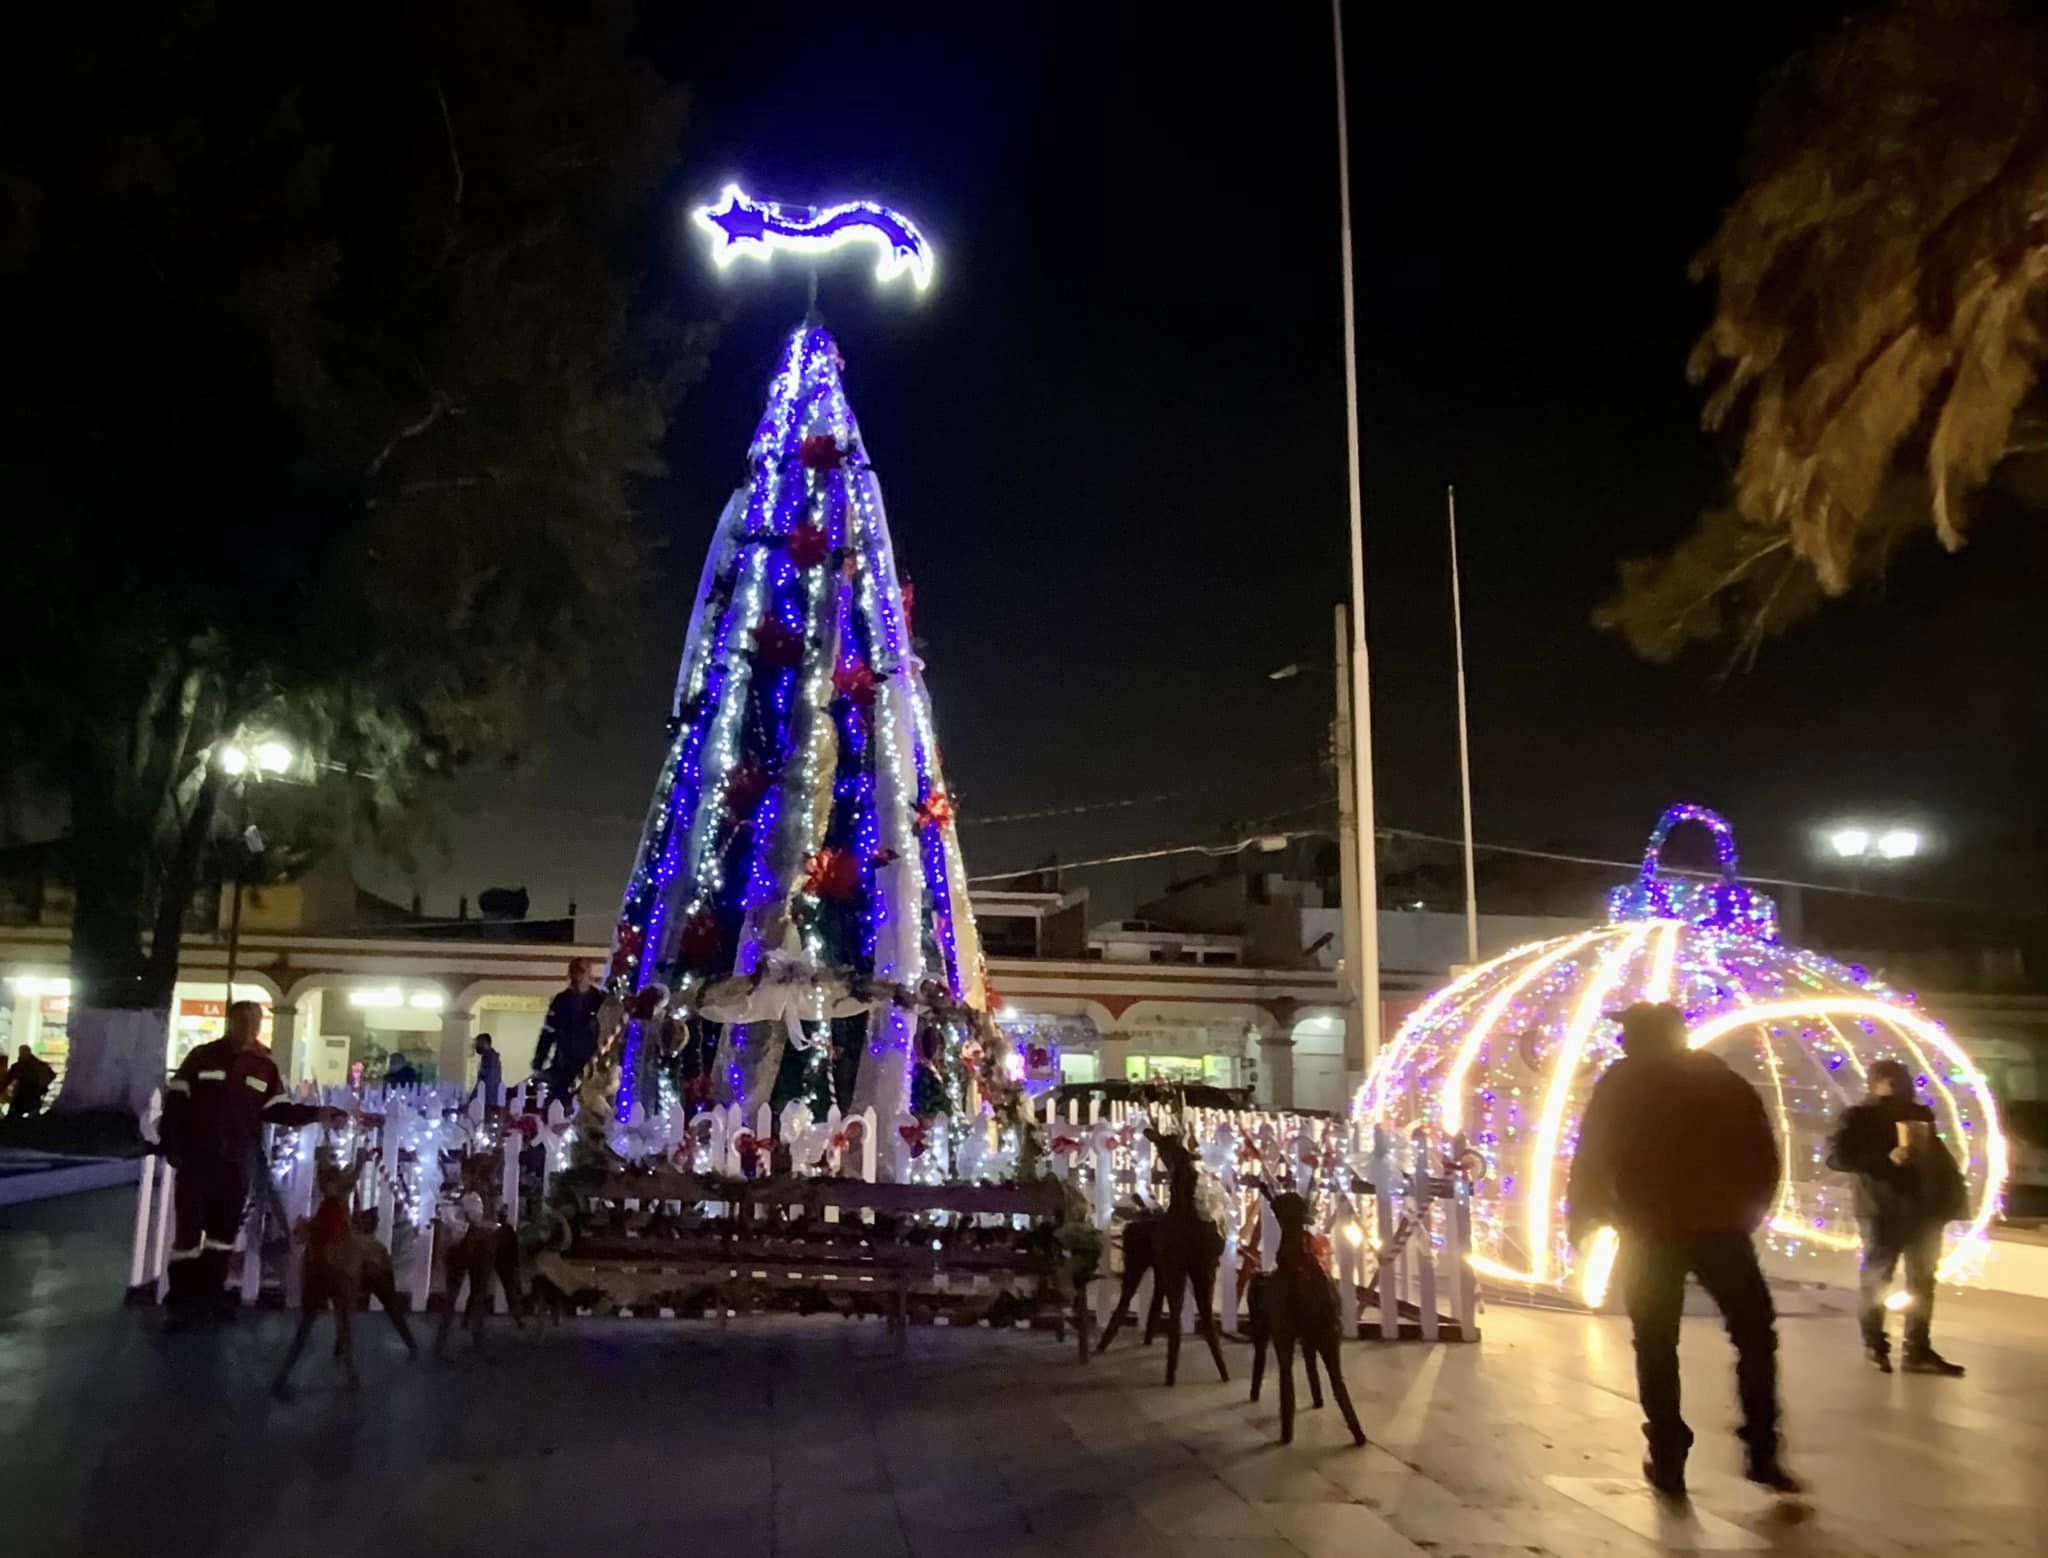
(425, 1000)
(387, 996)
(37, 984)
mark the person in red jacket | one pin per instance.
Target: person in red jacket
(215, 1109)
(1676, 1155)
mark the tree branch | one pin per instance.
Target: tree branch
(441, 484)
(442, 407)
(174, 893)
(454, 156)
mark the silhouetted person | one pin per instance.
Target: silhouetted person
(1907, 1189)
(400, 1072)
(490, 1074)
(1675, 1155)
(215, 1109)
(28, 1081)
(568, 1038)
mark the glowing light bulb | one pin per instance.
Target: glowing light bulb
(1850, 843)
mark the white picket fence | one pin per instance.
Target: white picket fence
(1400, 1229)
(1399, 1224)
(405, 1130)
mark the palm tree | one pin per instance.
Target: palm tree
(1881, 319)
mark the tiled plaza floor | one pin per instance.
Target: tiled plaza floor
(615, 1439)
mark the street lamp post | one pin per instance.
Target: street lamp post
(270, 758)
(1861, 845)
(1343, 753)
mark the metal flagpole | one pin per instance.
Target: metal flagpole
(1464, 738)
(1367, 951)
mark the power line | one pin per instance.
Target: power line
(1164, 851)
(1747, 876)
(1129, 802)
(1214, 851)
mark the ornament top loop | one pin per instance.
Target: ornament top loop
(1723, 905)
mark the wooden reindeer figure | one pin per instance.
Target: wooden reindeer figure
(1299, 1303)
(1186, 1247)
(1139, 1236)
(1258, 1302)
(343, 1262)
(480, 1245)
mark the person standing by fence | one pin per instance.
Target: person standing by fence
(215, 1109)
(568, 1037)
(490, 1075)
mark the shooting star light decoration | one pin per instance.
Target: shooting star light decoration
(758, 228)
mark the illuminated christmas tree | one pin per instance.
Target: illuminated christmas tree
(799, 898)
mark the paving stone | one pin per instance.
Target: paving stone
(818, 1436)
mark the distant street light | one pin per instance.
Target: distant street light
(1857, 842)
(1850, 843)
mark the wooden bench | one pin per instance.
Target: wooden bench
(853, 1246)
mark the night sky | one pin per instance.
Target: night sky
(1111, 441)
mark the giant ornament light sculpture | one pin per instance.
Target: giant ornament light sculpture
(1502, 1060)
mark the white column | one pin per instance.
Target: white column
(1115, 1050)
(458, 1032)
(1276, 1068)
(295, 1037)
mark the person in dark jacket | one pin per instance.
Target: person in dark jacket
(1907, 1189)
(568, 1036)
(215, 1109)
(1675, 1154)
(28, 1081)
(490, 1074)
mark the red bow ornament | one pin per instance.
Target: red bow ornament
(832, 873)
(700, 942)
(820, 452)
(857, 683)
(628, 939)
(808, 546)
(936, 811)
(778, 645)
(745, 784)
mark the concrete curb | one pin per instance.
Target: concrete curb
(56, 1175)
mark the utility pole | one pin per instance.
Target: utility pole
(1347, 848)
(1367, 949)
(1464, 737)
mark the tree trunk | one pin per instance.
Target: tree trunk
(117, 1031)
(121, 994)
